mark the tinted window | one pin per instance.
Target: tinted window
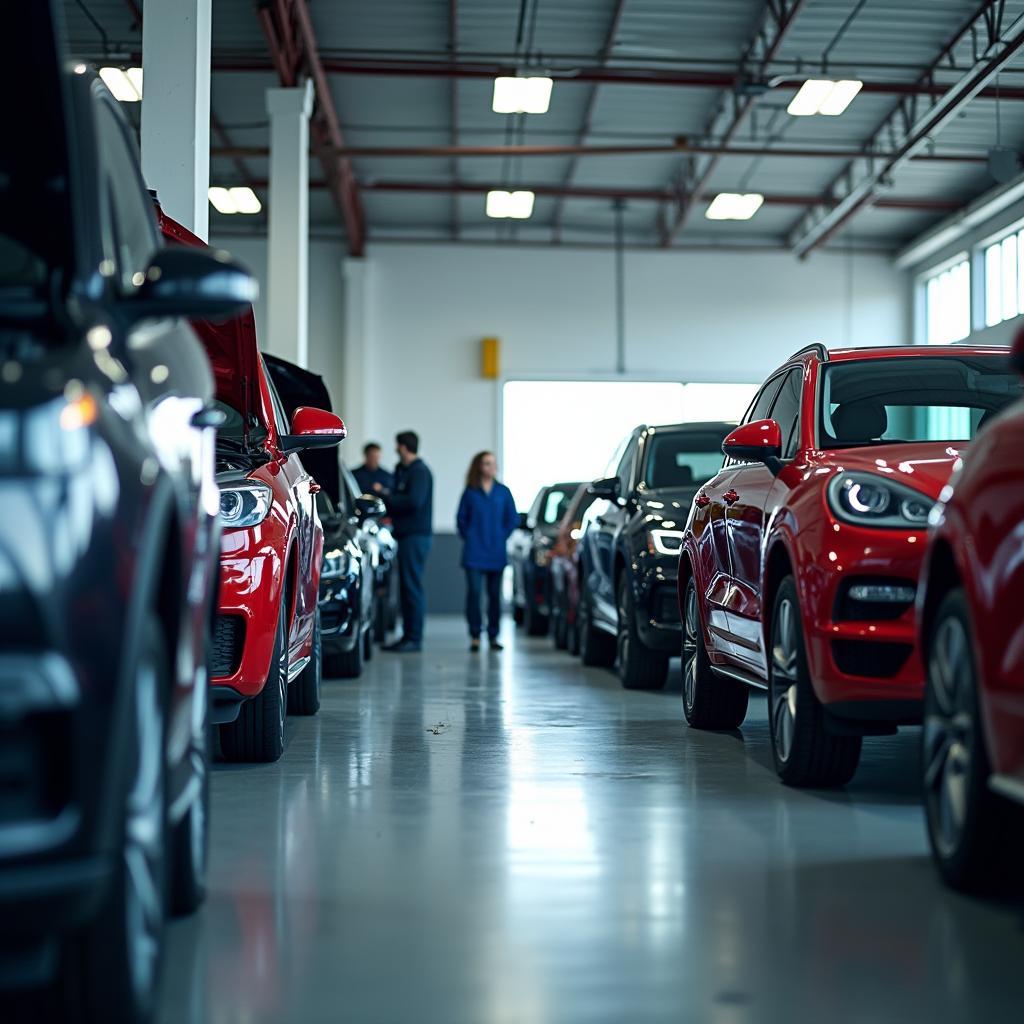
(625, 467)
(925, 398)
(763, 401)
(324, 505)
(786, 411)
(679, 459)
(134, 220)
(556, 501)
(275, 400)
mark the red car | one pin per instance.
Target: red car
(972, 636)
(801, 558)
(265, 657)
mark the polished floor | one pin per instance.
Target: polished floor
(513, 839)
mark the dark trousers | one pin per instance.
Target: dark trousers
(412, 560)
(476, 580)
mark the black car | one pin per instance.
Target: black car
(529, 554)
(108, 548)
(629, 551)
(348, 577)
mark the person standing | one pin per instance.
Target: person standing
(486, 518)
(411, 505)
(371, 476)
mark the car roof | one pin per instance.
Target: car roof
(695, 427)
(891, 351)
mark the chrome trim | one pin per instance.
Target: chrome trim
(740, 677)
(295, 668)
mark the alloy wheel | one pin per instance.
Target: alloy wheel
(144, 835)
(622, 634)
(691, 635)
(948, 731)
(783, 695)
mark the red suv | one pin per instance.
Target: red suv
(265, 650)
(972, 636)
(801, 557)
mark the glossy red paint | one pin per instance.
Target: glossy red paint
(977, 543)
(279, 558)
(778, 521)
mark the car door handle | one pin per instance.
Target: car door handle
(730, 497)
(702, 500)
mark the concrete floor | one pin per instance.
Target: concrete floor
(516, 840)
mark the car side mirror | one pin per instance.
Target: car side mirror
(1017, 352)
(608, 489)
(524, 521)
(312, 428)
(758, 441)
(204, 284)
(369, 506)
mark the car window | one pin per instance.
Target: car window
(134, 221)
(762, 401)
(677, 458)
(324, 505)
(280, 418)
(625, 468)
(350, 490)
(917, 398)
(556, 501)
(786, 411)
(612, 468)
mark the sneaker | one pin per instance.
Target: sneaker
(497, 646)
(404, 647)
(474, 645)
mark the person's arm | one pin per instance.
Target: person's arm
(511, 516)
(464, 515)
(413, 498)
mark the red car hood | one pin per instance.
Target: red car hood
(231, 346)
(922, 465)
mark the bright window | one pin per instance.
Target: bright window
(566, 430)
(948, 297)
(1004, 279)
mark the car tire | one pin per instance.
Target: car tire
(304, 693)
(112, 965)
(597, 648)
(258, 732)
(368, 643)
(559, 626)
(380, 618)
(189, 839)
(975, 835)
(804, 751)
(536, 623)
(572, 631)
(709, 701)
(346, 664)
(518, 616)
(639, 667)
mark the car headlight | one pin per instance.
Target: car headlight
(244, 504)
(337, 563)
(665, 542)
(866, 499)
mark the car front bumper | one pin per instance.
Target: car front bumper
(657, 607)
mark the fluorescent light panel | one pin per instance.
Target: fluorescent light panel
(521, 95)
(125, 85)
(514, 205)
(734, 206)
(824, 96)
(238, 199)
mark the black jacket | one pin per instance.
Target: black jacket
(411, 503)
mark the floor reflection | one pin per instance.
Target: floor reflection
(490, 839)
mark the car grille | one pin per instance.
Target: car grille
(226, 645)
(666, 606)
(872, 659)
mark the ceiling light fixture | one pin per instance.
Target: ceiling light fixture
(514, 205)
(824, 96)
(238, 199)
(734, 206)
(124, 84)
(526, 95)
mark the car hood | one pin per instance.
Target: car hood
(230, 346)
(924, 466)
(667, 504)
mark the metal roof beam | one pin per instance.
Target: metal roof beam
(907, 128)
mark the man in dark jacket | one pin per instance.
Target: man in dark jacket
(411, 505)
(371, 476)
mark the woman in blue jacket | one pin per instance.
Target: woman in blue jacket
(487, 516)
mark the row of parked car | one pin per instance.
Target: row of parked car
(854, 547)
(173, 577)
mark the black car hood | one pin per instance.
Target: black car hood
(667, 503)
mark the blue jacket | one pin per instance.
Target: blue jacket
(411, 503)
(366, 478)
(485, 522)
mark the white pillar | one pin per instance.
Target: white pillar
(356, 389)
(176, 108)
(288, 233)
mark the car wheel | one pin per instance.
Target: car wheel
(190, 837)
(345, 664)
(597, 648)
(559, 626)
(304, 693)
(536, 623)
(639, 667)
(805, 753)
(380, 617)
(517, 614)
(975, 835)
(709, 701)
(572, 631)
(113, 964)
(258, 732)
(368, 643)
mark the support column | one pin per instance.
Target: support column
(356, 389)
(288, 233)
(176, 108)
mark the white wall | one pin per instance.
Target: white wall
(694, 316)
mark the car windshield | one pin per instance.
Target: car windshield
(555, 503)
(913, 398)
(682, 458)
